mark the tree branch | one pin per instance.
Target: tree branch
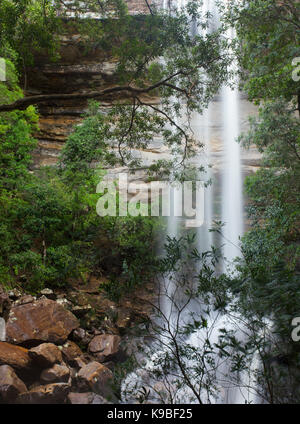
(173, 123)
(134, 109)
(23, 103)
(149, 7)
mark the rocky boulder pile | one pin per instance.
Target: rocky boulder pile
(47, 358)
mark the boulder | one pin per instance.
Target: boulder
(82, 336)
(41, 321)
(48, 293)
(98, 400)
(80, 398)
(79, 362)
(27, 298)
(56, 374)
(45, 355)
(62, 301)
(87, 398)
(48, 394)
(125, 318)
(15, 356)
(105, 347)
(95, 377)
(10, 384)
(71, 351)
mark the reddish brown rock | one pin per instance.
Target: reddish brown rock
(45, 355)
(95, 377)
(80, 398)
(48, 394)
(15, 356)
(87, 398)
(56, 374)
(42, 320)
(125, 318)
(105, 347)
(79, 362)
(71, 351)
(82, 336)
(98, 400)
(10, 384)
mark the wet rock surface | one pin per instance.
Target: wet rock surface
(10, 384)
(45, 355)
(87, 398)
(55, 393)
(96, 377)
(105, 347)
(53, 357)
(78, 70)
(82, 336)
(70, 351)
(58, 373)
(15, 356)
(40, 321)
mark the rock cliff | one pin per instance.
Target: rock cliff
(77, 70)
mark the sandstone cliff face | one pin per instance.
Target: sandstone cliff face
(77, 70)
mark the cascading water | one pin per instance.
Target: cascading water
(217, 128)
(231, 216)
(232, 199)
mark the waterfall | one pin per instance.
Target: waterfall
(172, 231)
(232, 199)
(231, 212)
(217, 128)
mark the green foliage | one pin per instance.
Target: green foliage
(16, 130)
(128, 253)
(258, 302)
(227, 339)
(50, 230)
(274, 189)
(193, 69)
(60, 237)
(270, 267)
(268, 283)
(85, 145)
(267, 288)
(120, 371)
(269, 36)
(16, 147)
(26, 28)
